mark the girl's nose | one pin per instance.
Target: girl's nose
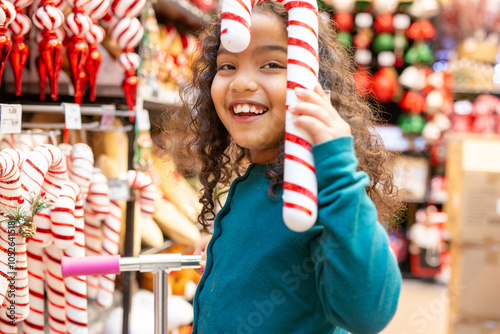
(243, 81)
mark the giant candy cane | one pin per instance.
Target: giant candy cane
(44, 171)
(300, 205)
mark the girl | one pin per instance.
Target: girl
(260, 277)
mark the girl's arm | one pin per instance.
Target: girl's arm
(357, 275)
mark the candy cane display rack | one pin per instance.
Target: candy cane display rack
(159, 264)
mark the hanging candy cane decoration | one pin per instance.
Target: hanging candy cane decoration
(20, 51)
(147, 191)
(43, 171)
(7, 15)
(127, 33)
(300, 205)
(96, 9)
(48, 18)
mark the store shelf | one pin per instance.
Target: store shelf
(156, 94)
(184, 11)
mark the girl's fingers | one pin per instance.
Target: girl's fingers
(314, 110)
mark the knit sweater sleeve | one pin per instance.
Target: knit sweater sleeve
(357, 275)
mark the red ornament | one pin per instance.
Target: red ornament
(129, 86)
(384, 85)
(5, 47)
(77, 52)
(18, 58)
(20, 200)
(42, 73)
(383, 23)
(363, 80)
(413, 101)
(50, 50)
(92, 67)
(343, 21)
(421, 30)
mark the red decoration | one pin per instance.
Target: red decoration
(384, 85)
(421, 30)
(18, 58)
(363, 80)
(5, 47)
(50, 50)
(413, 101)
(383, 23)
(129, 86)
(92, 67)
(77, 52)
(344, 21)
(42, 73)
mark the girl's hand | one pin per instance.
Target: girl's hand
(316, 115)
(200, 248)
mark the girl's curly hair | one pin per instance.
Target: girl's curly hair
(221, 158)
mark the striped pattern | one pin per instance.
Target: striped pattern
(78, 23)
(127, 8)
(300, 184)
(142, 182)
(48, 17)
(22, 3)
(96, 9)
(110, 243)
(95, 35)
(7, 13)
(21, 25)
(129, 61)
(127, 33)
(55, 290)
(96, 210)
(63, 216)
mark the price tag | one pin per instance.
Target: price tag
(11, 118)
(118, 189)
(108, 115)
(72, 116)
(142, 119)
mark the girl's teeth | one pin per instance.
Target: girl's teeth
(253, 109)
(245, 108)
(237, 109)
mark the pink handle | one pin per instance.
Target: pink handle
(90, 265)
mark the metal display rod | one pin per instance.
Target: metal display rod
(88, 111)
(159, 264)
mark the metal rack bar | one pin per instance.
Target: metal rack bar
(85, 110)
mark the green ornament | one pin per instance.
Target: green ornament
(411, 55)
(345, 39)
(362, 6)
(400, 42)
(411, 123)
(383, 42)
(425, 55)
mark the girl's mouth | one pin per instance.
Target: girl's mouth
(248, 110)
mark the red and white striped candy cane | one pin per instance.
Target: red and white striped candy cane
(44, 170)
(147, 191)
(62, 216)
(10, 188)
(96, 210)
(80, 167)
(300, 205)
(35, 322)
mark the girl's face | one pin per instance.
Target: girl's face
(249, 89)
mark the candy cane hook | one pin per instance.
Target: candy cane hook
(300, 188)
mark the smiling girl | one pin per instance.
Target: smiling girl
(261, 277)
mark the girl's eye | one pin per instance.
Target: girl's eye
(273, 65)
(225, 67)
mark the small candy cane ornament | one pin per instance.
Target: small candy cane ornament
(300, 188)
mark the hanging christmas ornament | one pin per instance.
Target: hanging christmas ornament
(20, 51)
(77, 49)
(362, 78)
(385, 80)
(7, 15)
(94, 37)
(363, 38)
(401, 24)
(127, 34)
(48, 18)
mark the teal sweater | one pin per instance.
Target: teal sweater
(263, 278)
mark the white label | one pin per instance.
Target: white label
(11, 118)
(72, 116)
(108, 115)
(118, 189)
(142, 119)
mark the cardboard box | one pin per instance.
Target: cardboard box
(473, 174)
(474, 288)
